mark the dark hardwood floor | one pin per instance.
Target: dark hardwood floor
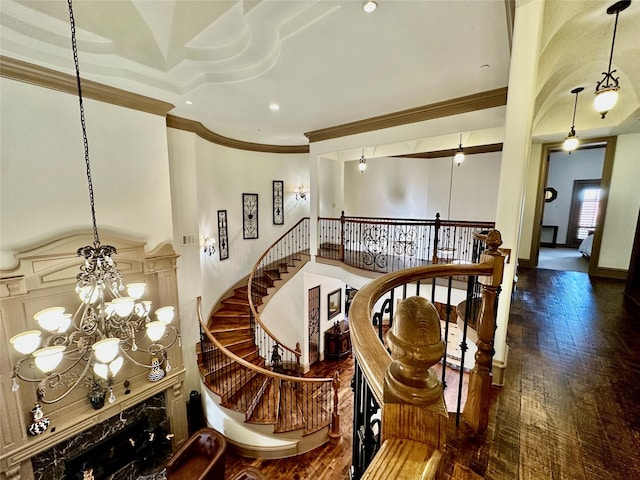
(570, 406)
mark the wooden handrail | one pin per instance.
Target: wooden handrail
(249, 365)
(371, 354)
(254, 311)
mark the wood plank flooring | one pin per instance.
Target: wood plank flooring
(570, 406)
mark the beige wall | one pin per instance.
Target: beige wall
(43, 185)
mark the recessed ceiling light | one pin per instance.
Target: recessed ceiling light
(188, 102)
(369, 6)
(274, 107)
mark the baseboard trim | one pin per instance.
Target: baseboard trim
(498, 367)
(614, 273)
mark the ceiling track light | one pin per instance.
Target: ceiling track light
(572, 141)
(362, 164)
(607, 88)
(459, 156)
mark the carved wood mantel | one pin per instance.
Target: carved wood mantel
(45, 276)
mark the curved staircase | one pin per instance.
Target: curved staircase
(254, 374)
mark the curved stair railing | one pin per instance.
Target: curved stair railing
(274, 263)
(263, 395)
(248, 367)
(386, 428)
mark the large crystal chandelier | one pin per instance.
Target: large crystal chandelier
(106, 328)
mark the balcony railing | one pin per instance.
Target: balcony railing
(387, 244)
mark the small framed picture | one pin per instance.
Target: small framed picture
(334, 303)
(249, 216)
(278, 202)
(223, 237)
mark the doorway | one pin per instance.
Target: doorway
(556, 195)
(314, 324)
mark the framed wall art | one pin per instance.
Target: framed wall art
(334, 303)
(249, 216)
(223, 238)
(278, 202)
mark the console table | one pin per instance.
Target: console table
(337, 342)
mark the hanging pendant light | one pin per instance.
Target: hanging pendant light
(572, 141)
(362, 164)
(607, 88)
(103, 332)
(459, 156)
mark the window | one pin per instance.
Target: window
(585, 207)
(588, 216)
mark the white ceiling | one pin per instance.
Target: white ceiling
(326, 62)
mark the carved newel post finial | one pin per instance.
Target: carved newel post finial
(416, 345)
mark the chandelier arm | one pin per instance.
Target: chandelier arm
(41, 396)
(74, 46)
(153, 351)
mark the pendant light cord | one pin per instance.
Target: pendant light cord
(450, 185)
(96, 239)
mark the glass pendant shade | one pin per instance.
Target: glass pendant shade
(89, 294)
(136, 290)
(48, 358)
(571, 142)
(155, 330)
(459, 156)
(50, 319)
(115, 366)
(123, 306)
(107, 349)
(65, 323)
(101, 370)
(605, 100)
(26, 342)
(165, 314)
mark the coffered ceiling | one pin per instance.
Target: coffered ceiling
(325, 63)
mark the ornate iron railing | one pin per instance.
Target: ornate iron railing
(387, 244)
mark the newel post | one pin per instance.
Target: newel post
(476, 409)
(334, 433)
(414, 407)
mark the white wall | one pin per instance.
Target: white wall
(419, 188)
(623, 204)
(43, 183)
(206, 178)
(564, 169)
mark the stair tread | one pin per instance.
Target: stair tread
(266, 408)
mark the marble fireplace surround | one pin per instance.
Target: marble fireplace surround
(118, 437)
(45, 276)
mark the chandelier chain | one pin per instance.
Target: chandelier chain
(74, 46)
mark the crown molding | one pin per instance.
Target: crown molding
(63, 82)
(455, 106)
(206, 134)
(488, 148)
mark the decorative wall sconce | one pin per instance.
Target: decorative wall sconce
(607, 88)
(209, 246)
(572, 141)
(362, 164)
(459, 156)
(301, 193)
